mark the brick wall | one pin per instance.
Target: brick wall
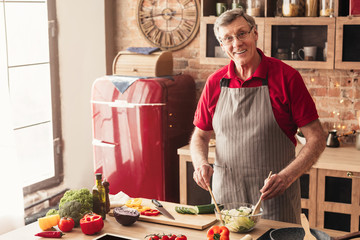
(335, 92)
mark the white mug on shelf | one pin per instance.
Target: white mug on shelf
(309, 53)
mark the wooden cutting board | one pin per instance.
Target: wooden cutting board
(200, 221)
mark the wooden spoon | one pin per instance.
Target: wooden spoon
(258, 204)
(217, 207)
(305, 225)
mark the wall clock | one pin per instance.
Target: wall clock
(168, 24)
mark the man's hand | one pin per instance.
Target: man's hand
(309, 154)
(202, 175)
(276, 185)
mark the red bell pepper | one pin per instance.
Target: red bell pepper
(218, 233)
(50, 234)
(150, 212)
(91, 223)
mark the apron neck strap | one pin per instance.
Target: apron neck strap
(265, 81)
(224, 82)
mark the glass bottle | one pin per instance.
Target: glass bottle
(253, 7)
(311, 8)
(326, 8)
(99, 197)
(290, 8)
(106, 185)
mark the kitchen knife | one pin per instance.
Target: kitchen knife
(161, 208)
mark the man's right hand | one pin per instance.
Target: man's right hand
(202, 175)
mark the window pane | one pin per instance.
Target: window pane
(30, 94)
(35, 152)
(27, 36)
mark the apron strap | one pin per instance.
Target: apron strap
(265, 81)
(224, 82)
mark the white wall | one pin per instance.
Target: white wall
(81, 29)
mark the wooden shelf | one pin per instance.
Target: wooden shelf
(321, 30)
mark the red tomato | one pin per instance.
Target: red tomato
(165, 237)
(173, 237)
(181, 237)
(154, 237)
(66, 224)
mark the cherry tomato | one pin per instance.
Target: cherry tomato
(165, 237)
(173, 237)
(154, 237)
(66, 224)
(181, 237)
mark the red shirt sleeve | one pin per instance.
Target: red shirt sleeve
(303, 109)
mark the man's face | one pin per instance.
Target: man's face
(240, 51)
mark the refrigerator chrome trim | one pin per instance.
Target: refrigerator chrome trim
(125, 104)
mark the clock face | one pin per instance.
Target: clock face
(168, 24)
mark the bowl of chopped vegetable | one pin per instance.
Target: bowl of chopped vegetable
(237, 217)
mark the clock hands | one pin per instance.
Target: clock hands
(169, 14)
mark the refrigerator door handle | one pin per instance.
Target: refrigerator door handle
(125, 104)
(100, 143)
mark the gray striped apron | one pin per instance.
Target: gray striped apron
(250, 144)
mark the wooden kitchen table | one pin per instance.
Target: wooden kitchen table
(140, 229)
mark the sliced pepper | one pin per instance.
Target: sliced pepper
(150, 212)
(91, 223)
(218, 233)
(134, 202)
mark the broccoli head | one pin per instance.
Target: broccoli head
(72, 209)
(52, 212)
(82, 196)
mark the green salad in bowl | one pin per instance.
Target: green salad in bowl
(237, 217)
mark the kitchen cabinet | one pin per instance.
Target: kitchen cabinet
(338, 197)
(330, 190)
(284, 34)
(347, 52)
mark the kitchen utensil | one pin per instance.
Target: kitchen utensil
(306, 227)
(160, 207)
(298, 234)
(257, 206)
(217, 207)
(333, 139)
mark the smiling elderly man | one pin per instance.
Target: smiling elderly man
(254, 105)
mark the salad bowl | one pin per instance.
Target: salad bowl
(237, 217)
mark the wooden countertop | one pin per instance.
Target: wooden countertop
(140, 229)
(344, 158)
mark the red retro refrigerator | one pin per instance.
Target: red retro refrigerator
(138, 125)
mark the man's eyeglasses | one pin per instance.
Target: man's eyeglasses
(240, 36)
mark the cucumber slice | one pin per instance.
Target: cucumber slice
(185, 210)
(207, 208)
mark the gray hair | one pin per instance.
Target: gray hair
(230, 15)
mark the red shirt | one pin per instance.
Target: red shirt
(291, 102)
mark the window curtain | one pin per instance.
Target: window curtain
(11, 200)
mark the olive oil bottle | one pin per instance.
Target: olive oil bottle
(99, 197)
